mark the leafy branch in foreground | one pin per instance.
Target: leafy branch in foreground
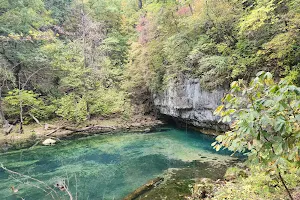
(265, 123)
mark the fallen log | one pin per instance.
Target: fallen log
(90, 128)
(144, 188)
(53, 131)
(85, 129)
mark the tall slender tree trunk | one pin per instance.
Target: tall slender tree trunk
(3, 121)
(21, 131)
(140, 4)
(83, 23)
(191, 9)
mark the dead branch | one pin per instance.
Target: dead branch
(53, 131)
(29, 177)
(35, 119)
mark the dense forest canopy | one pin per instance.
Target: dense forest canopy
(77, 59)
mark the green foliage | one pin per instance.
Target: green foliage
(79, 47)
(73, 108)
(59, 9)
(21, 17)
(264, 118)
(31, 103)
(5, 75)
(106, 102)
(258, 185)
(257, 18)
(103, 102)
(221, 39)
(67, 50)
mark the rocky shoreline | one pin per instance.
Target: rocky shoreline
(60, 131)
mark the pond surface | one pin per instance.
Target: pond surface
(106, 167)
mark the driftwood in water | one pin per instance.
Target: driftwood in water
(144, 188)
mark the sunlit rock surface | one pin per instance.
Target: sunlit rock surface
(186, 101)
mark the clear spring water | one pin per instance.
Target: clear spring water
(105, 166)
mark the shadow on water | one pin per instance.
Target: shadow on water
(111, 166)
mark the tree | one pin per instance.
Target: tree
(265, 123)
(6, 77)
(32, 106)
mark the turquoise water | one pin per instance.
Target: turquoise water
(105, 166)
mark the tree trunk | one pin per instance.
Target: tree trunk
(7, 128)
(2, 117)
(140, 4)
(191, 9)
(21, 131)
(3, 121)
(83, 24)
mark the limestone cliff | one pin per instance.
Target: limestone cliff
(188, 102)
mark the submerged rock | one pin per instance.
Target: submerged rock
(49, 142)
(144, 188)
(181, 182)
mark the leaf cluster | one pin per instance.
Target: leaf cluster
(264, 118)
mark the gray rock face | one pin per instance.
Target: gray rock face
(186, 101)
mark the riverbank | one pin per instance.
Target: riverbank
(58, 129)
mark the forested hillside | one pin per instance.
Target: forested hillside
(80, 59)
(65, 63)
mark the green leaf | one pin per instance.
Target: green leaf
(278, 148)
(279, 124)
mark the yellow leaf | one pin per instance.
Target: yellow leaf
(218, 110)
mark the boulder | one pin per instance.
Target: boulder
(49, 142)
